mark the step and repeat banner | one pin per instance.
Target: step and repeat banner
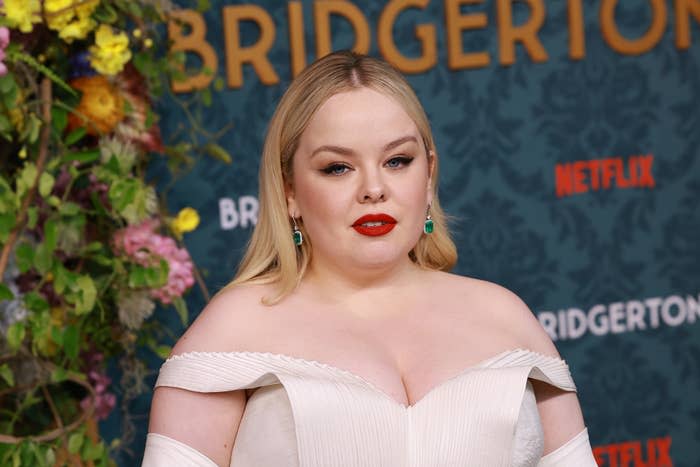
(569, 143)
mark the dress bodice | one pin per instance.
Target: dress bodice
(323, 415)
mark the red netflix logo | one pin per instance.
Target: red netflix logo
(632, 454)
(602, 174)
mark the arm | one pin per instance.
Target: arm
(204, 422)
(566, 441)
(198, 429)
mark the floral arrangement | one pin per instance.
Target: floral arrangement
(87, 249)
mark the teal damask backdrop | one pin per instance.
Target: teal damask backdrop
(501, 133)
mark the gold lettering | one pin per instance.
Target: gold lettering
(685, 8)
(424, 32)
(193, 42)
(455, 22)
(621, 44)
(525, 33)
(322, 19)
(256, 54)
(577, 38)
(297, 46)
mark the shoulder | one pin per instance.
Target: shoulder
(501, 307)
(227, 322)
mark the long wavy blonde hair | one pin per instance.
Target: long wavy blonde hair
(271, 255)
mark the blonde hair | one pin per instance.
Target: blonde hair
(271, 255)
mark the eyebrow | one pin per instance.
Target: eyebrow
(349, 152)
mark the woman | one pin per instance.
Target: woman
(341, 341)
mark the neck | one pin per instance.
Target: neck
(339, 285)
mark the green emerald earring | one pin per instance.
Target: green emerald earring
(296, 234)
(428, 225)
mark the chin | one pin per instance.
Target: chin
(378, 256)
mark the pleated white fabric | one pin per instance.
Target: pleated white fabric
(341, 420)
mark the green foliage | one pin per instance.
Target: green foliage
(70, 194)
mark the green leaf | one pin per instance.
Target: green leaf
(50, 234)
(43, 258)
(57, 335)
(7, 223)
(50, 456)
(15, 335)
(24, 255)
(137, 277)
(218, 152)
(36, 302)
(61, 278)
(181, 308)
(7, 83)
(69, 209)
(7, 375)
(163, 351)
(75, 441)
(203, 5)
(92, 451)
(75, 136)
(87, 293)
(86, 156)
(71, 341)
(32, 216)
(46, 182)
(59, 118)
(34, 63)
(26, 178)
(219, 84)
(206, 97)
(59, 375)
(122, 193)
(54, 201)
(5, 292)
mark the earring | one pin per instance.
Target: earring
(296, 234)
(428, 224)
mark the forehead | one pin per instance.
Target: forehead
(358, 116)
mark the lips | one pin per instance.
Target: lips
(374, 225)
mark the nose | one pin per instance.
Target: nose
(373, 189)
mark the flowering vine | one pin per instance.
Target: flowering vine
(88, 251)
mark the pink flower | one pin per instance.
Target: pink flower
(104, 401)
(4, 42)
(145, 247)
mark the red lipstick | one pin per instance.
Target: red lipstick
(374, 225)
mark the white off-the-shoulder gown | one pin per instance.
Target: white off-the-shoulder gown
(310, 414)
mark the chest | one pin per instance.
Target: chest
(405, 357)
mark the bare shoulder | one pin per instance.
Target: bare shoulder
(227, 322)
(503, 309)
(212, 418)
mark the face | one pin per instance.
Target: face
(361, 182)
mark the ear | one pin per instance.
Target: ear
(292, 208)
(431, 170)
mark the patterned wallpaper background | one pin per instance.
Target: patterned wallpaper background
(573, 182)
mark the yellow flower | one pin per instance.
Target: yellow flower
(58, 13)
(110, 52)
(61, 14)
(186, 221)
(85, 8)
(77, 29)
(101, 104)
(22, 14)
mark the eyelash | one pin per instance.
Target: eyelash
(330, 170)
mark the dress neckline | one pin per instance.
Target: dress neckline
(518, 352)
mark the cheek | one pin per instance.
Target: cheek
(319, 203)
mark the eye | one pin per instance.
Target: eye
(398, 162)
(335, 169)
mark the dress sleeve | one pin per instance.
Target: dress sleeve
(576, 452)
(162, 451)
